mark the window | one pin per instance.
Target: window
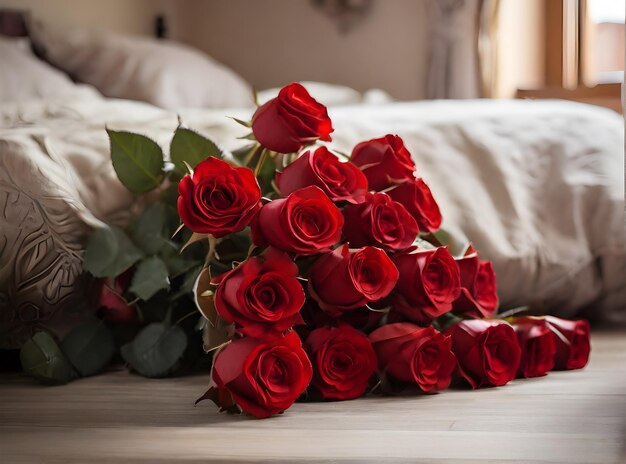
(603, 41)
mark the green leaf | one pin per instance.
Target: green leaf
(42, 358)
(150, 277)
(190, 147)
(89, 347)
(241, 122)
(138, 160)
(110, 252)
(156, 350)
(148, 230)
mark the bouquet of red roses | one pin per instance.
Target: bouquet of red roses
(345, 287)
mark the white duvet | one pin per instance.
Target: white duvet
(538, 187)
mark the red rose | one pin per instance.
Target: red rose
(413, 354)
(305, 223)
(343, 361)
(261, 295)
(291, 120)
(263, 377)
(379, 221)
(479, 297)
(572, 341)
(114, 308)
(428, 284)
(218, 199)
(418, 200)
(487, 351)
(537, 343)
(384, 161)
(347, 279)
(340, 181)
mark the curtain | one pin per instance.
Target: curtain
(461, 57)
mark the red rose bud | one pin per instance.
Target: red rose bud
(340, 181)
(262, 295)
(379, 221)
(418, 200)
(291, 120)
(572, 339)
(487, 351)
(479, 297)
(428, 284)
(218, 199)
(347, 279)
(413, 354)
(343, 361)
(305, 223)
(114, 308)
(538, 347)
(384, 161)
(263, 377)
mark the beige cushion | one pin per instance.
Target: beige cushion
(164, 73)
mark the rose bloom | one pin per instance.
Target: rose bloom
(350, 278)
(537, 343)
(479, 297)
(572, 339)
(379, 221)
(428, 284)
(305, 223)
(262, 295)
(291, 120)
(114, 308)
(418, 200)
(343, 361)
(218, 199)
(340, 181)
(412, 354)
(487, 351)
(384, 161)
(263, 377)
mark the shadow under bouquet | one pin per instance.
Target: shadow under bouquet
(319, 275)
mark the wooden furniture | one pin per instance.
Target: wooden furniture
(568, 417)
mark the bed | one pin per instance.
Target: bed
(537, 186)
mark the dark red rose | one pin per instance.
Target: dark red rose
(305, 223)
(537, 343)
(379, 221)
(263, 377)
(479, 293)
(218, 199)
(418, 200)
(113, 305)
(363, 318)
(347, 279)
(291, 120)
(487, 351)
(572, 339)
(340, 181)
(412, 354)
(384, 161)
(262, 295)
(343, 361)
(428, 284)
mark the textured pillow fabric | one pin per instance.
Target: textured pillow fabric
(24, 77)
(162, 73)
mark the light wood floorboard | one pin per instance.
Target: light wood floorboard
(566, 417)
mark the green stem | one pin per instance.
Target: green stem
(259, 165)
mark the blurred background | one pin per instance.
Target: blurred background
(411, 49)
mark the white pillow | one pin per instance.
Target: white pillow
(163, 73)
(25, 77)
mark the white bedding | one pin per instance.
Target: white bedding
(537, 186)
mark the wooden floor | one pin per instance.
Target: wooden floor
(569, 417)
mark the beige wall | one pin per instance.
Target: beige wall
(272, 42)
(125, 16)
(520, 46)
